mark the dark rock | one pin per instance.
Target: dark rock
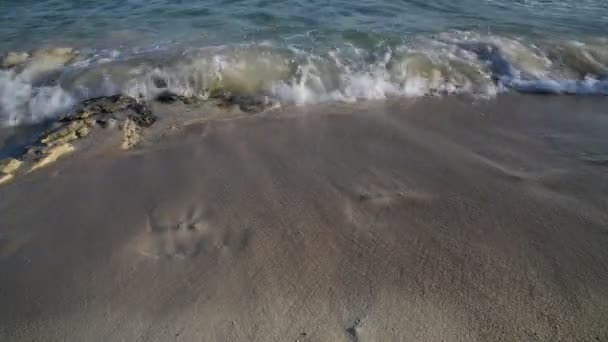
(167, 97)
(59, 139)
(159, 83)
(142, 115)
(249, 103)
(115, 106)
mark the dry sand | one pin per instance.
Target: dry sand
(432, 220)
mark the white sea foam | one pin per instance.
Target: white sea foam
(20, 102)
(450, 63)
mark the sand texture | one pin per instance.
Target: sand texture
(428, 220)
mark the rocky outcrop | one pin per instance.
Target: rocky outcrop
(117, 107)
(131, 134)
(13, 59)
(250, 104)
(39, 60)
(60, 55)
(5, 178)
(99, 114)
(10, 165)
(51, 154)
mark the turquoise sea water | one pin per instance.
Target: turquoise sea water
(296, 51)
(28, 23)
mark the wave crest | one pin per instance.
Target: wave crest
(48, 84)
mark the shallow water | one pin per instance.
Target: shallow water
(297, 52)
(92, 23)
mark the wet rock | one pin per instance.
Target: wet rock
(167, 97)
(105, 112)
(10, 165)
(51, 155)
(107, 123)
(83, 131)
(249, 104)
(159, 83)
(40, 61)
(141, 115)
(170, 97)
(100, 113)
(5, 177)
(117, 107)
(131, 134)
(72, 131)
(55, 55)
(13, 59)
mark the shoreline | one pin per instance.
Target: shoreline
(427, 219)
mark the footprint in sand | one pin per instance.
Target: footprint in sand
(353, 330)
(372, 200)
(187, 236)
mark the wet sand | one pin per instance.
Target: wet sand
(427, 220)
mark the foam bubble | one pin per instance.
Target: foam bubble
(20, 103)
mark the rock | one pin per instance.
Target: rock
(59, 136)
(104, 112)
(83, 131)
(72, 131)
(100, 106)
(131, 134)
(5, 177)
(51, 154)
(116, 106)
(170, 97)
(167, 97)
(64, 135)
(47, 61)
(13, 59)
(141, 115)
(107, 112)
(159, 83)
(249, 103)
(107, 123)
(9, 165)
(55, 55)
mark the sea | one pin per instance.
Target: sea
(57, 53)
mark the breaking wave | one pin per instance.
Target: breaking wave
(48, 83)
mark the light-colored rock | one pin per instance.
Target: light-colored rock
(83, 131)
(52, 154)
(48, 60)
(13, 59)
(72, 131)
(119, 112)
(9, 165)
(55, 55)
(60, 137)
(131, 134)
(5, 177)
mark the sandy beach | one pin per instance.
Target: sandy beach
(403, 220)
